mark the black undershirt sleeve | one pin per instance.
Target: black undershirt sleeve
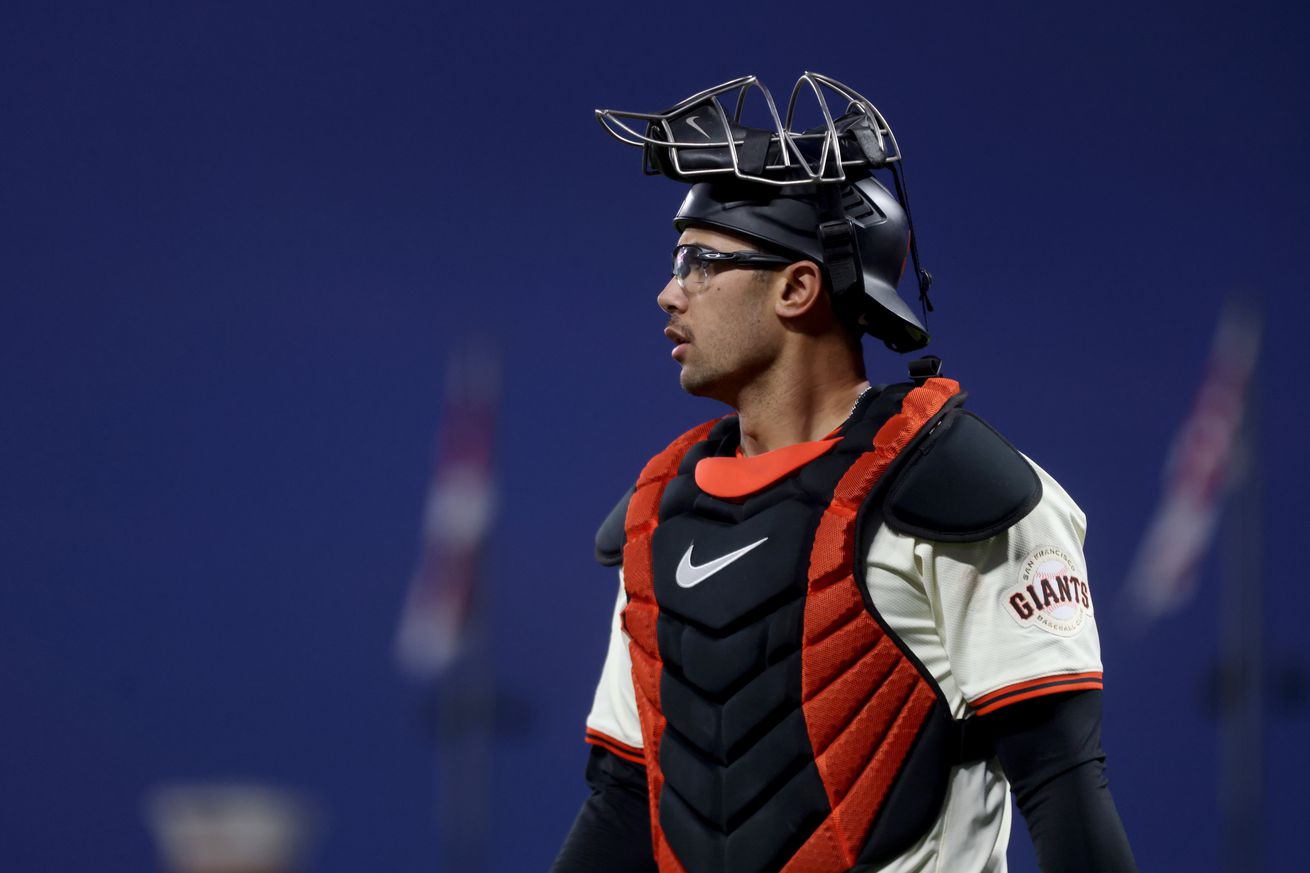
(1050, 748)
(612, 831)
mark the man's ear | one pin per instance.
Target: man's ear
(801, 291)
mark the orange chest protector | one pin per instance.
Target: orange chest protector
(785, 727)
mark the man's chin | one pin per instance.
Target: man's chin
(692, 382)
(699, 384)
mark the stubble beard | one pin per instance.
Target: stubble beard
(729, 360)
(696, 381)
(717, 380)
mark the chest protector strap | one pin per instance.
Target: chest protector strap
(864, 702)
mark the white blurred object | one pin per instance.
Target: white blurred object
(461, 506)
(230, 828)
(1204, 464)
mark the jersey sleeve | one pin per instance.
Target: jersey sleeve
(613, 723)
(1001, 620)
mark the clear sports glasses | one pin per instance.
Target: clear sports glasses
(691, 264)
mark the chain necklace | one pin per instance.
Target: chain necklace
(866, 390)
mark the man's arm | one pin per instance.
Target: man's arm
(1017, 622)
(612, 831)
(1050, 748)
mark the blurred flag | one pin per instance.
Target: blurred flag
(456, 519)
(1203, 465)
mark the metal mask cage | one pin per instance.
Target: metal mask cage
(858, 139)
(839, 152)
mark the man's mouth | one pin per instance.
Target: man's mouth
(680, 341)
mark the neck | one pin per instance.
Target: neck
(799, 400)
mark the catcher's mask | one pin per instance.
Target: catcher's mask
(809, 194)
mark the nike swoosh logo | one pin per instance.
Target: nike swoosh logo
(692, 122)
(689, 576)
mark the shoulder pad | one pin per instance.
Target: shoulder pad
(610, 537)
(965, 483)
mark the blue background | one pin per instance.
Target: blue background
(240, 239)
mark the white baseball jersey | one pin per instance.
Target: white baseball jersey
(995, 622)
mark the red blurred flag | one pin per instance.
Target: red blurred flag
(460, 506)
(1204, 463)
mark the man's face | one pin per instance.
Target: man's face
(726, 333)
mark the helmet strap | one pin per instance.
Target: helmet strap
(841, 251)
(924, 277)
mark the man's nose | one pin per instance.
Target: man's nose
(672, 299)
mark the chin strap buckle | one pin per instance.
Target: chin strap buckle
(925, 368)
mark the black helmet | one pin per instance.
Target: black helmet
(788, 222)
(810, 194)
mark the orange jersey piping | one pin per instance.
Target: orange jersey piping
(1031, 688)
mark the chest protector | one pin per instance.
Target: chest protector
(785, 727)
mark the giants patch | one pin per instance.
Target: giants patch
(1052, 593)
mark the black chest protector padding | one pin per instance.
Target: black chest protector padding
(741, 787)
(966, 483)
(610, 538)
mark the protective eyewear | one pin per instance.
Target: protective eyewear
(691, 264)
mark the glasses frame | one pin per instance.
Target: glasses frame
(708, 256)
